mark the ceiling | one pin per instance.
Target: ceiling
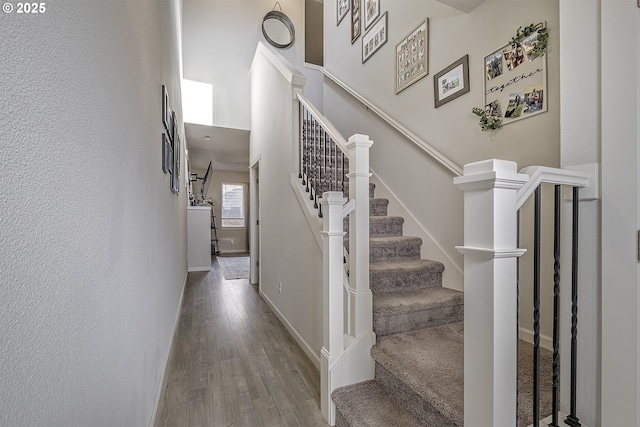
(228, 149)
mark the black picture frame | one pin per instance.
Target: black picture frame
(166, 154)
(166, 110)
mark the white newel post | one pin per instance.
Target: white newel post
(490, 291)
(361, 300)
(332, 294)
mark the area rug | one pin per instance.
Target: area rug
(234, 267)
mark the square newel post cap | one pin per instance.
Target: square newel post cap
(492, 173)
(359, 140)
(332, 198)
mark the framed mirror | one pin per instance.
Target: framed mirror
(278, 29)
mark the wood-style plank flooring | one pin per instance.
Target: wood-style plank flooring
(233, 363)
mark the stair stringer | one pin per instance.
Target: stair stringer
(453, 275)
(354, 365)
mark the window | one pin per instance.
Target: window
(232, 205)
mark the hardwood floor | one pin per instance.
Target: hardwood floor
(234, 364)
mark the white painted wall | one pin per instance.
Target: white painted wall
(289, 253)
(620, 27)
(220, 38)
(93, 253)
(581, 144)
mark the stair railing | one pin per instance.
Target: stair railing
(494, 193)
(325, 163)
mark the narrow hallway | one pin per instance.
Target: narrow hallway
(233, 363)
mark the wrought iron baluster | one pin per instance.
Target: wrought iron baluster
(335, 166)
(323, 166)
(556, 306)
(312, 160)
(517, 311)
(300, 138)
(316, 164)
(536, 308)
(305, 156)
(343, 174)
(572, 419)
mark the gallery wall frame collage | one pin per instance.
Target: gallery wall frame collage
(527, 84)
(412, 52)
(171, 146)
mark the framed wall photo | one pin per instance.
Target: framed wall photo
(166, 111)
(370, 12)
(375, 38)
(515, 81)
(174, 127)
(342, 8)
(356, 25)
(451, 82)
(412, 57)
(176, 155)
(166, 153)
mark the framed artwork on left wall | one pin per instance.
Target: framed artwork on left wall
(166, 111)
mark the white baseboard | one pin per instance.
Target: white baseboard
(234, 251)
(154, 414)
(311, 354)
(546, 342)
(200, 269)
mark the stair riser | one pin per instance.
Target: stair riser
(378, 207)
(411, 401)
(331, 185)
(384, 228)
(394, 252)
(412, 321)
(407, 280)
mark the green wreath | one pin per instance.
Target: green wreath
(487, 122)
(523, 33)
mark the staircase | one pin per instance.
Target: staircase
(419, 354)
(418, 323)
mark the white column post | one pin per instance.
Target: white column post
(332, 296)
(490, 291)
(361, 300)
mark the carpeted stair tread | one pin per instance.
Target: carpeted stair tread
(366, 404)
(391, 276)
(429, 363)
(398, 312)
(378, 206)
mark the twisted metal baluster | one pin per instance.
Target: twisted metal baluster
(572, 420)
(556, 306)
(536, 308)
